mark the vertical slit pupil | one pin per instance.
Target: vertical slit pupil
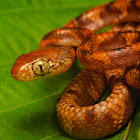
(139, 66)
(41, 68)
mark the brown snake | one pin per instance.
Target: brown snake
(111, 57)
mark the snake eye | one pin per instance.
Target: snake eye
(41, 67)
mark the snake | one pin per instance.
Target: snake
(109, 59)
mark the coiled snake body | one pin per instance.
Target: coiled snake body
(112, 57)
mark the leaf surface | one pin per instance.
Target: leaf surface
(28, 109)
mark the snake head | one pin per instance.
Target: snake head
(44, 62)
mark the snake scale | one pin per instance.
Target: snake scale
(110, 58)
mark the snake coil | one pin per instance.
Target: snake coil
(111, 57)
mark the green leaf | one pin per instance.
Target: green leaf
(28, 109)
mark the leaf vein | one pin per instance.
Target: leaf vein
(50, 136)
(42, 9)
(31, 102)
